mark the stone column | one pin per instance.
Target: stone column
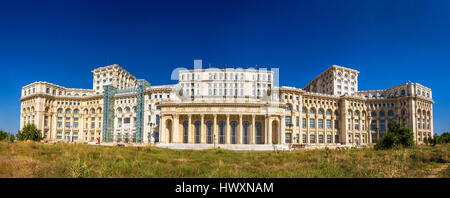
(269, 133)
(253, 132)
(175, 129)
(239, 136)
(325, 134)
(215, 134)
(227, 135)
(369, 120)
(308, 131)
(162, 130)
(53, 127)
(190, 136)
(202, 131)
(378, 128)
(266, 129)
(333, 130)
(316, 121)
(282, 130)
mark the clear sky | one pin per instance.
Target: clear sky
(389, 42)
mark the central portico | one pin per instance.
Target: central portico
(221, 123)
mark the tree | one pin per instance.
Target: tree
(29, 132)
(445, 137)
(396, 136)
(4, 136)
(426, 140)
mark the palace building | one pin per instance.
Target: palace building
(232, 108)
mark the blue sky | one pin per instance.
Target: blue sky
(389, 42)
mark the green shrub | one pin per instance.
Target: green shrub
(30, 132)
(397, 136)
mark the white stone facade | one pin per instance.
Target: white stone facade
(229, 107)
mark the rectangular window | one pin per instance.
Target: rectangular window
(328, 124)
(287, 137)
(320, 123)
(304, 123)
(328, 138)
(336, 124)
(336, 138)
(288, 120)
(312, 139)
(297, 121)
(382, 125)
(304, 138)
(59, 124)
(321, 139)
(311, 123)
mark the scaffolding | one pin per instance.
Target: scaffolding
(140, 108)
(108, 110)
(108, 113)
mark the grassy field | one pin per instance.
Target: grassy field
(29, 159)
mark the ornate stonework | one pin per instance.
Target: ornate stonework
(227, 107)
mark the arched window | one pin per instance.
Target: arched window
(119, 110)
(258, 133)
(303, 110)
(185, 132)
(374, 114)
(328, 112)
(390, 113)
(233, 132)
(60, 110)
(209, 132)
(288, 108)
(76, 111)
(221, 132)
(312, 111)
(197, 132)
(320, 112)
(356, 113)
(127, 109)
(381, 113)
(99, 110)
(67, 111)
(245, 135)
(93, 111)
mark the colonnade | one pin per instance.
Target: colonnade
(221, 128)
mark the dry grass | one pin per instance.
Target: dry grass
(29, 159)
